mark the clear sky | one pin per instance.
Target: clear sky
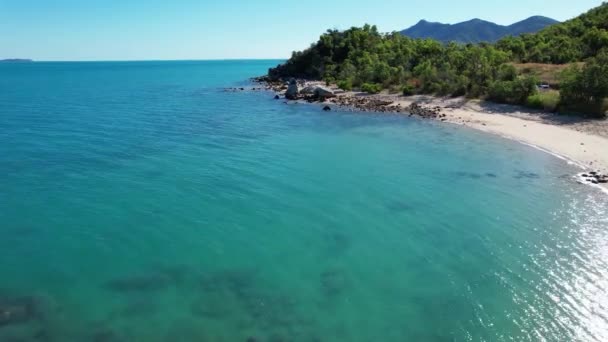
(198, 29)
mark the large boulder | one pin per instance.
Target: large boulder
(310, 90)
(323, 93)
(292, 90)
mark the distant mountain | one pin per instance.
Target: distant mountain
(476, 30)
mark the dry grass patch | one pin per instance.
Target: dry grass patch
(546, 73)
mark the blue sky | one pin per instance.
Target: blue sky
(189, 29)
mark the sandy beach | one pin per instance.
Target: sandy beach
(580, 141)
(583, 142)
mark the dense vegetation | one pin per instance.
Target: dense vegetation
(365, 59)
(476, 30)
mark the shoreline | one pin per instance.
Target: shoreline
(579, 141)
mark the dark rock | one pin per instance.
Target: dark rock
(292, 90)
(277, 97)
(323, 94)
(310, 90)
(327, 108)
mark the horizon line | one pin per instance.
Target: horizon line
(145, 60)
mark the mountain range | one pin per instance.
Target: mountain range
(476, 30)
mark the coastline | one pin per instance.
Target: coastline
(579, 141)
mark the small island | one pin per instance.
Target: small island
(16, 60)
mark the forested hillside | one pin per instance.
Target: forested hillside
(369, 60)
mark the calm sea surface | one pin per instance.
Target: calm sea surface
(141, 202)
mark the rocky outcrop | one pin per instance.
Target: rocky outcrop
(594, 177)
(292, 90)
(425, 112)
(323, 93)
(312, 92)
(309, 90)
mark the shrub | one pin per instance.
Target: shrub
(584, 89)
(346, 85)
(547, 101)
(371, 88)
(535, 101)
(507, 72)
(515, 92)
(409, 90)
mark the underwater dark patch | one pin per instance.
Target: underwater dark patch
(398, 206)
(140, 283)
(470, 175)
(212, 307)
(526, 174)
(20, 310)
(107, 335)
(337, 243)
(333, 282)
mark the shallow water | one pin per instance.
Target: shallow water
(141, 202)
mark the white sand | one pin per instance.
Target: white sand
(583, 142)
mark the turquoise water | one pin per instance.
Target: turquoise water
(141, 202)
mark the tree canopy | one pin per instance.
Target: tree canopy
(362, 57)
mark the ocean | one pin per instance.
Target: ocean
(140, 201)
